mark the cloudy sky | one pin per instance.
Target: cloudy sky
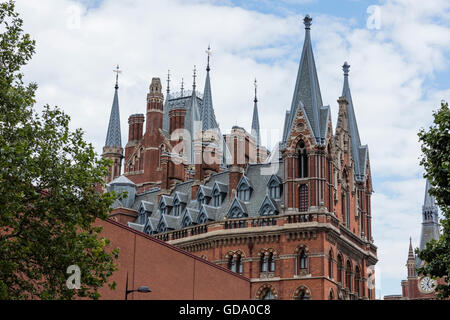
(399, 53)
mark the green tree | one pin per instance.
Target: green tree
(48, 201)
(436, 161)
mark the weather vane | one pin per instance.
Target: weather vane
(209, 53)
(117, 71)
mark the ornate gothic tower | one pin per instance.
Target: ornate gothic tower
(430, 219)
(113, 145)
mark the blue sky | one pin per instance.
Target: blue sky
(399, 74)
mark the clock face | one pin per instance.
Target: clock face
(426, 285)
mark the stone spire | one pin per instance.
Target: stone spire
(113, 145)
(207, 116)
(307, 91)
(430, 218)
(358, 151)
(255, 122)
(113, 137)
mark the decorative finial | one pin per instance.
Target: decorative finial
(346, 68)
(182, 87)
(256, 86)
(209, 53)
(117, 71)
(194, 76)
(168, 82)
(307, 21)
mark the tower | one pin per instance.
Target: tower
(430, 219)
(113, 145)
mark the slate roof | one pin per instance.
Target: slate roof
(307, 91)
(114, 137)
(255, 176)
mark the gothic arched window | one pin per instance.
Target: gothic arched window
(330, 264)
(357, 281)
(267, 295)
(302, 160)
(348, 275)
(303, 261)
(217, 198)
(263, 263)
(303, 198)
(176, 208)
(267, 210)
(244, 192)
(274, 190)
(238, 263)
(340, 268)
(200, 200)
(163, 208)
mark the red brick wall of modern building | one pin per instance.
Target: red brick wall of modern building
(170, 272)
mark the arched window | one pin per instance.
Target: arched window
(303, 198)
(236, 212)
(267, 210)
(231, 264)
(239, 264)
(302, 160)
(163, 208)
(263, 263)
(274, 190)
(340, 268)
(200, 200)
(271, 262)
(176, 208)
(141, 159)
(331, 295)
(217, 198)
(330, 264)
(267, 295)
(357, 281)
(202, 218)
(348, 275)
(244, 192)
(302, 293)
(303, 261)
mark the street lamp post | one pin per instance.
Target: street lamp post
(143, 289)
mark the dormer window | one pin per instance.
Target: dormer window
(274, 190)
(163, 209)
(200, 200)
(176, 208)
(236, 212)
(217, 198)
(142, 215)
(267, 210)
(244, 192)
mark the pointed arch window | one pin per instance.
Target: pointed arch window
(330, 264)
(235, 263)
(201, 200)
(348, 275)
(186, 221)
(163, 208)
(302, 160)
(142, 216)
(339, 268)
(244, 192)
(176, 208)
(357, 281)
(217, 198)
(303, 261)
(267, 210)
(236, 212)
(268, 295)
(274, 190)
(303, 198)
(202, 218)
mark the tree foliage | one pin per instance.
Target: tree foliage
(436, 161)
(48, 174)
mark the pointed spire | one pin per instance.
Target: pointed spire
(255, 121)
(430, 218)
(113, 137)
(411, 251)
(307, 91)
(208, 117)
(182, 87)
(168, 83)
(194, 76)
(355, 141)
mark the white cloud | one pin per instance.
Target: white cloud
(390, 70)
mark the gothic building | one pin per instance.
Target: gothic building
(418, 286)
(296, 222)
